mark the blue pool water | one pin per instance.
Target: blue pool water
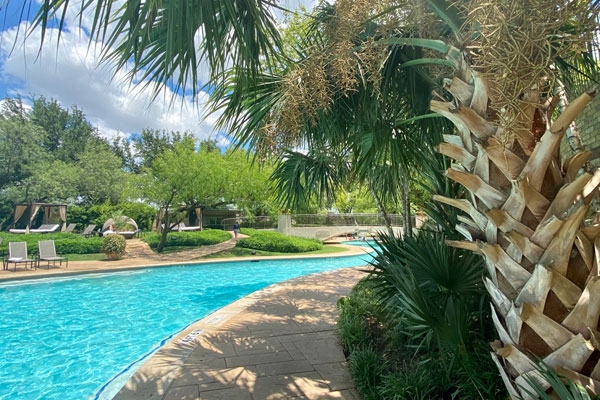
(65, 338)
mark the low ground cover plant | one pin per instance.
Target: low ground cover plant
(277, 242)
(188, 239)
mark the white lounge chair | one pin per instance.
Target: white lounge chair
(89, 230)
(46, 228)
(17, 254)
(70, 228)
(47, 252)
(183, 228)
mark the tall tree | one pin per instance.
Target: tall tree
(20, 144)
(151, 143)
(67, 131)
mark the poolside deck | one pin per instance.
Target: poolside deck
(277, 343)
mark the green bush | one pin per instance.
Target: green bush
(188, 239)
(424, 314)
(90, 245)
(65, 243)
(414, 381)
(358, 312)
(113, 243)
(277, 242)
(367, 368)
(141, 213)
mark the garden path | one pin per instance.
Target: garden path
(136, 248)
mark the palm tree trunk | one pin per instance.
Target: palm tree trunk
(383, 211)
(529, 213)
(406, 213)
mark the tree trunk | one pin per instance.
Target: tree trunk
(406, 213)
(383, 211)
(164, 232)
(166, 225)
(528, 216)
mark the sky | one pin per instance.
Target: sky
(71, 74)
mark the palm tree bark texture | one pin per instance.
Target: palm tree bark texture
(529, 217)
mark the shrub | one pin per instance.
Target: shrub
(79, 245)
(416, 381)
(65, 243)
(141, 213)
(422, 312)
(357, 318)
(366, 367)
(277, 242)
(188, 239)
(113, 244)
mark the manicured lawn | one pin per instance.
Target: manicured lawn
(242, 252)
(86, 257)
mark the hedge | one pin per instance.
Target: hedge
(277, 242)
(65, 243)
(188, 239)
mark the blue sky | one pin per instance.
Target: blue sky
(69, 73)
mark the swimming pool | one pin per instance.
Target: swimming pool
(64, 338)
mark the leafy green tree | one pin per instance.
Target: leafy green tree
(101, 178)
(151, 143)
(67, 131)
(250, 185)
(20, 141)
(170, 182)
(122, 147)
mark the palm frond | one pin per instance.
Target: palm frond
(300, 176)
(433, 289)
(164, 41)
(563, 388)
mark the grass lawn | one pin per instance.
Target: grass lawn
(241, 252)
(85, 257)
(235, 252)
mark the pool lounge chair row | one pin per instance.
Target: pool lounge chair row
(46, 228)
(49, 228)
(17, 254)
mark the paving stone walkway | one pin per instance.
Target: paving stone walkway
(138, 249)
(278, 343)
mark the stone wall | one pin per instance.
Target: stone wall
(589, 129)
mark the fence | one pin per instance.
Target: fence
(311, 220)
(307, 220)
(260, 222)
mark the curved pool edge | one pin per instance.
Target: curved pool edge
(123, 265)
(161, 371)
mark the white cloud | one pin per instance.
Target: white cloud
(70, 73)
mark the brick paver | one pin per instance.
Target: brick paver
(261, 347)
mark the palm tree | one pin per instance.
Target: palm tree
(529, 212)
(527, 209)
(350, 133)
